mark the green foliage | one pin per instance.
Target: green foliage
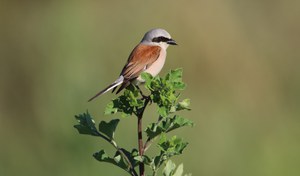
(128, 104)
(170, 169)
(164, 93)
(170, 147)
(86, 124)
(166, 125)
(116, 160)
(109, 128)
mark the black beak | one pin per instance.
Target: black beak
(171, 42)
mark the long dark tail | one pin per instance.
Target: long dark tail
(108, 88)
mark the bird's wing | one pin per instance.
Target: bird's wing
(140, 58)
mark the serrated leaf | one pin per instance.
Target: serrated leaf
(169, 168)
(109, 128)
(86, 124)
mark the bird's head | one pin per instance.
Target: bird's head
(158, 37)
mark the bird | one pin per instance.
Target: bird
(148, 56)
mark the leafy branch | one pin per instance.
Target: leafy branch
(163, 92)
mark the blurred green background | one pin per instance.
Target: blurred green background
(241, 63)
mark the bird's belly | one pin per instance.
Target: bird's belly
(156, 67)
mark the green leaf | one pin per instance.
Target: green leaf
(169, 168)
(129, 103)
(179, 170)
(173, 146)
(148, 78)
(163, 111)
(86, 124)
(153, 130)
(175, 75)
(143, 159)
(171, 97)
(162, 142)
(178, 122)
(167, 125)
(133, 98)
(157, 161)
(184, 104)
(131, 155)
(155, 84)
(116, 160)
(120, 104)
(179, 85)
(173, 109)
(110, 108)
(109, 128)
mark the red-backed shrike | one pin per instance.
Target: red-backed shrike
(148, 56)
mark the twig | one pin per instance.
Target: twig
(140, 135)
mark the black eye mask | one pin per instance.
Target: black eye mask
(160, 39)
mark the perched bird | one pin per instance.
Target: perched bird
(148, 56)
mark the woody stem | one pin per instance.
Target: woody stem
(140, 136)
